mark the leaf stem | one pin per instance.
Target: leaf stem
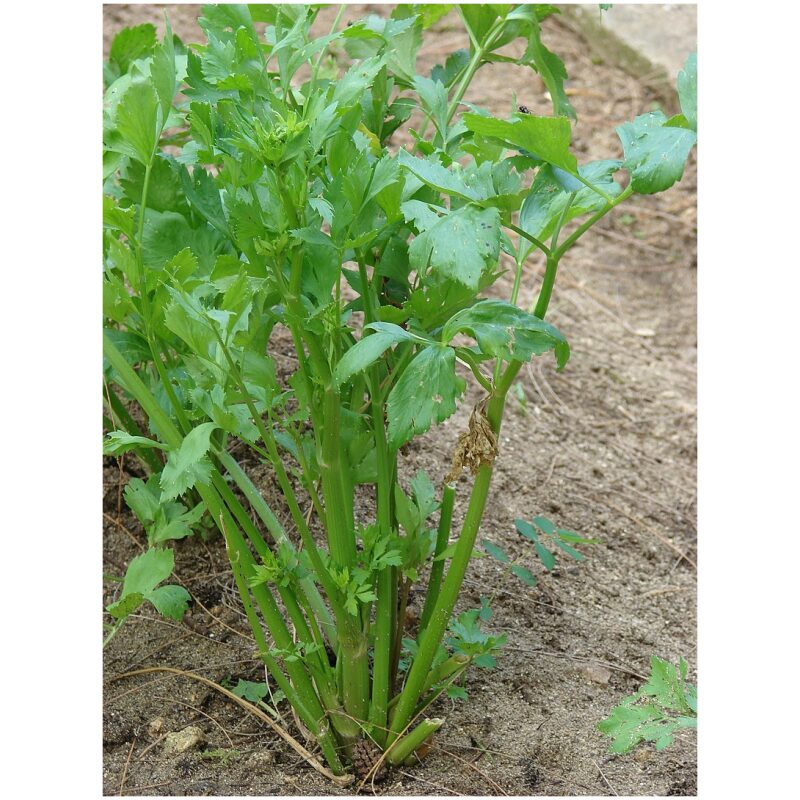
(532, 239)
(624, 195)
(437, 569)
(473, 66)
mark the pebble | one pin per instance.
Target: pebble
(596, 673)
(261, 760)
(182, 741)
(155, 727)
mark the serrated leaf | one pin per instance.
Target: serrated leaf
(131, 44)
(118, 442)
(653, 713)
(132, 346)
(356, 81)
(176, 527)
(655, 153)
(138, 122)
(479, 18)
(432, 173)
(141, 500)
(425, 393)
(545, 204)
(163, 73)
(368, 349)
(119, 219)
(549, 66)
(126, 605)
(170, 601)
(424, 494)
(547, 138)
(188, 465)
(459, 245)
(250, 690)
(431, 13)
(505, 331)
(147, 570)
(455, 64)
(164, 191)
(433, 95)
(202, 192)
(165, 235)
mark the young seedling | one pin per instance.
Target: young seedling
(663, 706)
(253, 198)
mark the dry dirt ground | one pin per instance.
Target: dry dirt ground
(608, 448)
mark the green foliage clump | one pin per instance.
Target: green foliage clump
(252, 190)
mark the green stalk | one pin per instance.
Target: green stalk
(341, 537)
(274, 621)
(431, 637)
(384, 612)
(473, 66)
(447, 669)
(318, 63)
(307, 702)
(290, 601)
(442, 537)
(532, 239)
(311, 713)
(283, 481)
(134, 385)
(146, 311)
(550, 270)
(409, 743)
(272, 524)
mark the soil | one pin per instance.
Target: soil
(607, 448)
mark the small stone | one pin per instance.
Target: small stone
(261, 760)
(182, 741)
(155, 727)
(596, 673)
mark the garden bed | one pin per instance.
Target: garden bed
(607, 448)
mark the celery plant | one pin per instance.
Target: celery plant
(269, 197)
